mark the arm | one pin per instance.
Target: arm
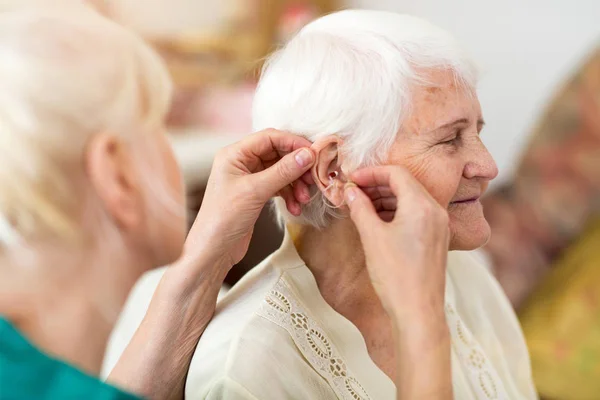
(155, 362)
(244, 177)
(406, 246)
(423, 366)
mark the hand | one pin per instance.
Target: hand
(243, 178)
(405, 236)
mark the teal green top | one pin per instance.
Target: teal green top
(27, 373)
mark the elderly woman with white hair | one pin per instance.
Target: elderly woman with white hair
(344, 308)
(91, 197)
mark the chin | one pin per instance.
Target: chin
(469, 236)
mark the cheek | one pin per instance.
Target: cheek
(439, 174)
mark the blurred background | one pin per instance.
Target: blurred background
(540, 93)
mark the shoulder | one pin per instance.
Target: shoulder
(234, 335)
(131, 316)
(477, 292)
(259, 358)
(28, 373)
(488, 315)
(471, 276)
(244, 350)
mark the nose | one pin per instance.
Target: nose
(480, 163)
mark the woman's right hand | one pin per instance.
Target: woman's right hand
(405, 237)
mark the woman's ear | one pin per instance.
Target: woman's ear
(327, 171)
(110, 170)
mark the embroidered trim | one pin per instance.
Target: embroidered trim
(282, 308)
(482, 376)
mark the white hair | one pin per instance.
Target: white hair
(66, 73)
(349, 74)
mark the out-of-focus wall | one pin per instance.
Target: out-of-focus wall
(160, 17)
(525, 48)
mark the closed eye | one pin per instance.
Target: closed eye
(453, 140)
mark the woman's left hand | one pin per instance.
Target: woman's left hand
(243, 179)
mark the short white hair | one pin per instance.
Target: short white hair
(349, 74)
(66, 73)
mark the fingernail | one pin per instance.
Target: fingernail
(350, 194)
(303, 158)
(306, 196)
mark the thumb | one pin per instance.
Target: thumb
(284, 172)
(362, 212)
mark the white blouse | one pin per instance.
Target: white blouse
(273, 336)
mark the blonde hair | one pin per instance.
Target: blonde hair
(66, 73)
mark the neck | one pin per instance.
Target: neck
(335, 257)
(66, 301)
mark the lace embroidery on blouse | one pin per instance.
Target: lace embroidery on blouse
(282, 308)
(483, 377)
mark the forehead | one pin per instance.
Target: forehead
(441, 100)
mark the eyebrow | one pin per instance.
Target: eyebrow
(460, 121)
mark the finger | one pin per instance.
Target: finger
(397, 178)
(281, 174)
(291, 203)
(387, 216)
(379, 176)
(385, 204)
(378, 192)
(286, 193)
(267, 145)
(301, 192)
(294, 208)
(362, 211)
(308, 178)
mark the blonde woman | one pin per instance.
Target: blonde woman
(91, 198)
